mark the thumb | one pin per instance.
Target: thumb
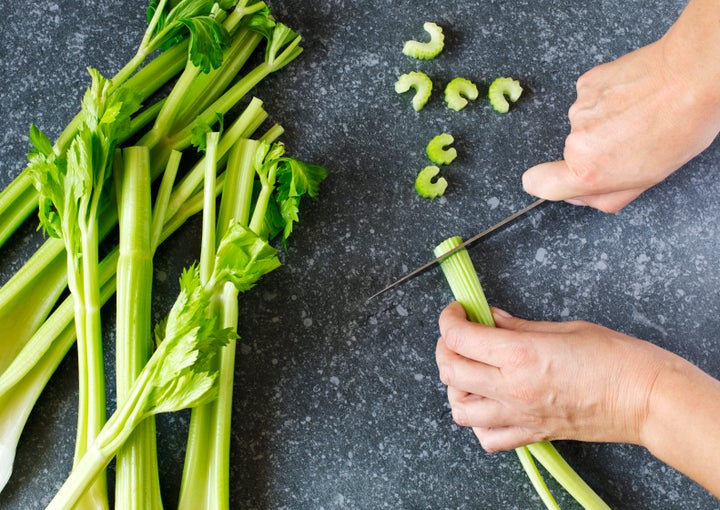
(505, 320)
(553, 181)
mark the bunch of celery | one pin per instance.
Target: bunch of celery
(209, 43)
(466, 289)
(193, 364)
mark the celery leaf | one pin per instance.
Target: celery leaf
(185, 361)
(243, 257)
(207, 41)
(295, 179)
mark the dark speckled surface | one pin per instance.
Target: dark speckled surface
(338, 403)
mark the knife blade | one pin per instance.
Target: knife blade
(464, 244)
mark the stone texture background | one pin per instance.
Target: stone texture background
(338, 403)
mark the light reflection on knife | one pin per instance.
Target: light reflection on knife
(465, 244)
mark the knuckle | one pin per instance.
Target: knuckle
(519, 356)
(587, 80)
(453, 338)
(447, 375)
(459, 415)
(487, 443)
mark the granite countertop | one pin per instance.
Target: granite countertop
(338, 402)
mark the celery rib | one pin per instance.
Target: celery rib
(137, 484)
(467, 290)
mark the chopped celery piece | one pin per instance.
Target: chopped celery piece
(458, 91)
(426, 187)
(419, 81)
(437, 152)
(500, 88)
(426, 50)
(467, 290)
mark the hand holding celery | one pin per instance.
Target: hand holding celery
(466, 288)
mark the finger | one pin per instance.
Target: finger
(512, 340)
(503, 320)
(452, 314)
(464, 337)
(469, 410)
(504, 438)
(608, 202)
(556, 181)
(465, 374)
(553, 180)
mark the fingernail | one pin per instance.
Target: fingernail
(575, 201)
(501, 313)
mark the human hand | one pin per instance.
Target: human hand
(524, 381)
(635, 121)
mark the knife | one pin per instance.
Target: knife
(464, 244)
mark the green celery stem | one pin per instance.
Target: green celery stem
(464, 283)
(17, 202)
(558, 467)
(42, 287)
(243, 127)
(201, 448)
(528, 464)
(19, 199)
(207, 254)
(467, 290)
(137, 484)
(113, 435)
(91, 389)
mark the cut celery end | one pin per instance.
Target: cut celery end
(426, 187)
(419, 81)
(438, 153)
(458, 92)
(464, 282)
(501, 90)
(426, 50)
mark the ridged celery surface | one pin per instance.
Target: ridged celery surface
(213, 44)
(467, 290)
(281, 182)
(137, 482)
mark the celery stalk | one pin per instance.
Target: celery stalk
(137, 485)
(467, 290)
(205, 482)
(551, 459)
(207, 457)
(531, 469)
(182, 372)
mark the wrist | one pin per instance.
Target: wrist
(680, 427)
(690, 48)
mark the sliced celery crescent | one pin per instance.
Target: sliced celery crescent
(419, 81)
(458, 92)
(426, 187)
(438, 152)
(426, 50)
(499, 89)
